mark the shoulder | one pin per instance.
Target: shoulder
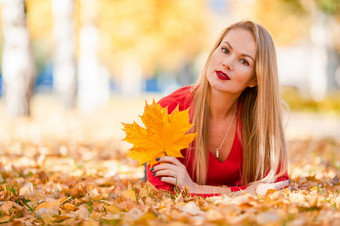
(182, 98)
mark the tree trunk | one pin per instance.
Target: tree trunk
(94, 78)
(132, 78)
(17, 62)
(318, 61)
(65, 77)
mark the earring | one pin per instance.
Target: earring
(252, 86)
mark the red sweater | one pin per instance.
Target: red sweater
(219, 173)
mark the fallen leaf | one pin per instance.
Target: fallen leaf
(214, 215)
(5, 219)
(6, 207)
(130, 194)
(26, 189)
(94, 193)
(112, 209)
(48, 205)
(134, 213)
(90, 223)
(47, 218)
(270, 191)
(82, 212)
(69, 207)
(44, 211)
(111, 216)
(268, 217)
(191, 208)
(58, 218)
(78, 190)
(43, 176)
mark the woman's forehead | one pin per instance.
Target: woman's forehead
(241, 41)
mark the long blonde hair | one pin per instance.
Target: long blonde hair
(263, 141)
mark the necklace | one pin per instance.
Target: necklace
(225, 136)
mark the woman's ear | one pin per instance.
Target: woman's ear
(253, 83)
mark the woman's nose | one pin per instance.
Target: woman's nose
(228, 64)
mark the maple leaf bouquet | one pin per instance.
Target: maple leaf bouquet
(163, 134)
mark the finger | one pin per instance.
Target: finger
(281, 184)
(170, 159)
(167, 173)
(169, 180)
(164, 167)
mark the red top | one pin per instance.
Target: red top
(227, 172)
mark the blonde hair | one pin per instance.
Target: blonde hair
(263, 141)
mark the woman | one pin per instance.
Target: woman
(236, 112)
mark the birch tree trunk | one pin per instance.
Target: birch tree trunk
(132, 78)
(318, 61)
(94, 77)
(17, 62)
(65, 77)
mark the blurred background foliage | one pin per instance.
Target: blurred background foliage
(157, 33)
(170, 39)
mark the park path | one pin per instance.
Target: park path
(312, 125)
(299, 125)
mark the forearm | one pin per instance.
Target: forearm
(223, 190)
(209, 189)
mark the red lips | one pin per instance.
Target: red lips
(222, 75)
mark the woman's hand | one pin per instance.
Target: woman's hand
(262, 188)
(173, 172)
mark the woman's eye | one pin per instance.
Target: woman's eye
(225, 50)
(244, 62)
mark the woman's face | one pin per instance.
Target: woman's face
(232, 64)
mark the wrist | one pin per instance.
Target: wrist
(194, 188)
(226, 191)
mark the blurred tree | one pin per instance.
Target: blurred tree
(93, 76)
(290, 21)
(313, 24)
(65, 76)
(331, 10)
(0, 38)
(40, 25)
(18, 63)
(133, 38)
(286, 20)
(324, 17)
(139, 37)
(330, 7)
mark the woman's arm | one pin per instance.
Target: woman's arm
(258, 188)
(160, 183)
(172, 172)
(211, 190)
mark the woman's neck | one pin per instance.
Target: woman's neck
(221, 104)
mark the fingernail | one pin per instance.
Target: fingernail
(152, 169)
(154, 174)
(160, 178)
(157, 159)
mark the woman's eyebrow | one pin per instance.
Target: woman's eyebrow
(243, 54)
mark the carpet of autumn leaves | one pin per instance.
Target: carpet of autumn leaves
(67, 167)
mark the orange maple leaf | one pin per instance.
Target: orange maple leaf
(164, 134)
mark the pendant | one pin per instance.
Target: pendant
(217, 152)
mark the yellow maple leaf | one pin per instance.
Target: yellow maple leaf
(48, 205)
(164, 134)
(130, 194)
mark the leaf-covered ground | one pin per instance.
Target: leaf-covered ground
(69, 168)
